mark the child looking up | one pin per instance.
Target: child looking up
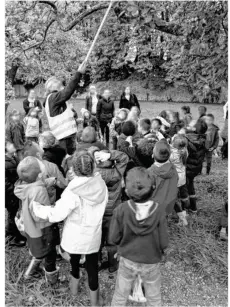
(42, 237)
(139, 229)
(186, 114)
(32, 123)
(164, 175)
(178, 157)
(116, 125)
(156, 127)
(82, 206)
(212, 140)
(175, 123)
(202, 111)
(91, 121)
(144, 128)
(15, 133)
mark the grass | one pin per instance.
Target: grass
(194, 273)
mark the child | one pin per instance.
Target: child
(156, 127)
(178, 157)
(52, 151)
(175, 123)
(91, 121)
(134, 115)
(144, 128)
(116, 124)
(202, 111)
(11, 201)
(144, 151)
(15, 133)
(42, 237)
(88, 139)
(82, 206)
(224, 223)
(32, 124)
(111, 165)
(139, 229)
(196, 153)
(212, 140)
(187, 116)
(164, 175)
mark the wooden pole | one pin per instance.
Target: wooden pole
(98, 31)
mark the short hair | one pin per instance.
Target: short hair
(128, 128)
(145, 147)
(83, 164)
(138, 184)
(201, 126)
(186, 109)
(203, 108)
(48, 139)
(145, 124)
(29, 149)
(210, 115)
(28, 169)
(157, 120)
(53, 84)
(163, 114)
(89, 135)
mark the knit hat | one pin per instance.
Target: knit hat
(161, 151)
(139, 185)
(28, 169)
(89, 135)
(128, 128)
(83, 164)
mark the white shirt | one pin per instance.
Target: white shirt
(94, 104)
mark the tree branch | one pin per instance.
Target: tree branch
(166, 27)
(50, 3)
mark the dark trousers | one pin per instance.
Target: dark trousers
(91, 266)
(105, 130)
(50, 261)
(208, 157)
(104, 242)
(114, 138)
(224, 149)
(191, 191)
(69, 144)
(182, 202)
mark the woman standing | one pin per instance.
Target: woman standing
(92, 100)
(128, 100)
(31, 102)
(105, 113)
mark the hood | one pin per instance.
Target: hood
(55, 150)
(151, 218)
(92, 189)
(165, 171)
(21, 188)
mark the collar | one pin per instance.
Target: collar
(158, 164)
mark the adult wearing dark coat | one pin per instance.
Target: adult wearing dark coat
(105, 113)
(31, 102)
(128, 100)
(92, 100)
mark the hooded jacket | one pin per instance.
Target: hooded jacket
(55, 155)
(175, 158)
(82, 206)
(15, 134)
(196, 153)
(165, 177)
(113, 178)
(139, 240)
(105, 110)
(42, 237)
(212, 137)
(11, 176)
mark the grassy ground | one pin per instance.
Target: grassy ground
(194, 272)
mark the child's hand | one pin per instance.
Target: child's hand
(70, 175)
(108, 124)
(52, 181)
(82, 67)
(129, 140)
(102, 156)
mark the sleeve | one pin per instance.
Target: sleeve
(26, 106)
(61, 181)
(121, 160)
(130, 151)
(121, 103)
(63, 207)
(216, 141)
(98, 110)
(87, 103)
(113, 109)
(115, 229)
(113, 132)
(39, 104)
(61, 97)
(208, 141)
(163, 233)
(9, 135)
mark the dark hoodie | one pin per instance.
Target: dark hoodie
(141, 241)
(196, 153)
(212, 137)
(165, 178)
(105, 110)
(55, 155)
(11, 176)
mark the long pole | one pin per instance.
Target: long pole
(98, 31)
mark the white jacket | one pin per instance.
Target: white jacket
(82, 206)
(175, 158)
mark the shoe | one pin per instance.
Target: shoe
(223, 235)
(95, 298)
(73, 285)
(103, 266)
(52, 277)
(182, 218)
(33, 268)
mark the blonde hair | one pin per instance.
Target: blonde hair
(53, 84)
(28, 169)
(48, 139)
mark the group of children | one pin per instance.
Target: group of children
(115, 198)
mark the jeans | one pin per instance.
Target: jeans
(91, 266)
(114, 139)
(50, 261)
(127, 273)
(191, 192)
(208, 157)
(105, 131)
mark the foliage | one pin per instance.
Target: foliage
(183, 42)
